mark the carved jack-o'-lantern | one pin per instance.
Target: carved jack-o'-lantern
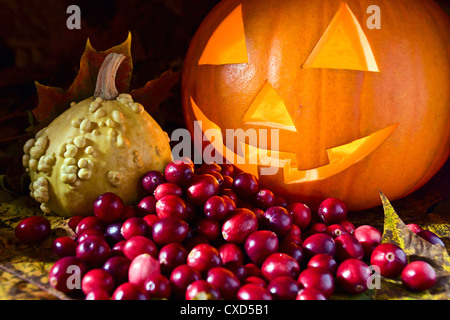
(357, 109)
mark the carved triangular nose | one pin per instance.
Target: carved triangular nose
(343, 45)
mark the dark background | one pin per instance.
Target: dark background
(35, 45)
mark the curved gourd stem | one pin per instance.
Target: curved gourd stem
(106, 79)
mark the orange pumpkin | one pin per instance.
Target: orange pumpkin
(360, 105)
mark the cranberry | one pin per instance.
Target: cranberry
(138, 245)
(201, 188)
(171, 256)
(332, 211)
(260, 244)
(128, 212)
(171, 206)
(134, 226)
(73, 222)
(324, 261)
(204, 257)
(65, 274)
(317, 278)
(94, 251)
(350, 227)
(230, 252)
(142, 267)
(225, 281)
(319, 243)
(227, 169)
(294, 235)
(218, 177)
(150, 219)
(279, 264)
(117, 249)
(216, 208)
(151, 180)
(113, 233)
(194, 239)
(227, 182)
(257, 280)
(390, 258)
(347, 246)
(169, 230)
(310, 294)
(146, 206)
(241, 223)
(431, 237)
(292, 249)
(252, 291)
(208, 228)
(90, 233)
(317, 227)
(89, 223)
(33, 229)
(157, 286)
(283, 288)
(64, 247)
(181, 277)
(129, 291)
(108, 207)
(253, 270)
(352, 276)
(335, 230)
(97, 278)
(414, 227)
(118, 268)
(178, 172)
(278, 220)
(225, 192)
(369, 237)
(237, 268)
(97, 294)
(301, 214)
(167, 188)
(202, 290)
(264, 199)
(209, 167)
(245, 185)
(418, 276)
(281, 201)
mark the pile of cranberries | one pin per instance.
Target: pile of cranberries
(211, 232)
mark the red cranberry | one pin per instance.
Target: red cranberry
(335, 230)
(151, 180)
(264, 199)
(252, 291)
(431, 237)
(225, 281)
(204, 257)
(319, 243)
(252, 269)
(129, 291)
(108, 207)
(138, 245)
(281, 201)
(142, 267)
(350, 227)
(414, 227)
(65, 275)
(310, 294)
(352, 276)
(33, 229)
(97, 278)
(89, 223)
(150, 219)
(237, 268)
(294, 235)
(418, 276)
(230, 252)
(97, 294)
(118, 268)
(167, 188)
(216, 208)
(260, 244)
(169, 230)
(283, 288)
(332, 211)
(201, 188)
(278, 220)
(157, 286)
(292, 249)
(117, 249)
(208, 228)
(279, 264)
(257, 280)
(317, 278)
(301, 214)
(171, 256)
(90, 233)
(134, 226)
(227, 182)
(317, 227)
(324, 261)
(245, 185)
(241, 223)
(369, 237)
(146, 206)
(171, 206)
(113, 233)
(228, 193)
(390, 258)
(128, 212)
(227, 169)
(194, 239)
(202, 290)
(181, 277)
(94, 251)
(218, 177)
(178, 172)
(207, 168)
(347, 246)
(73, 222)
(64, 247)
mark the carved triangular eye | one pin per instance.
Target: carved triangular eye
(269, 110)
(343, 45)
(227, 44)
